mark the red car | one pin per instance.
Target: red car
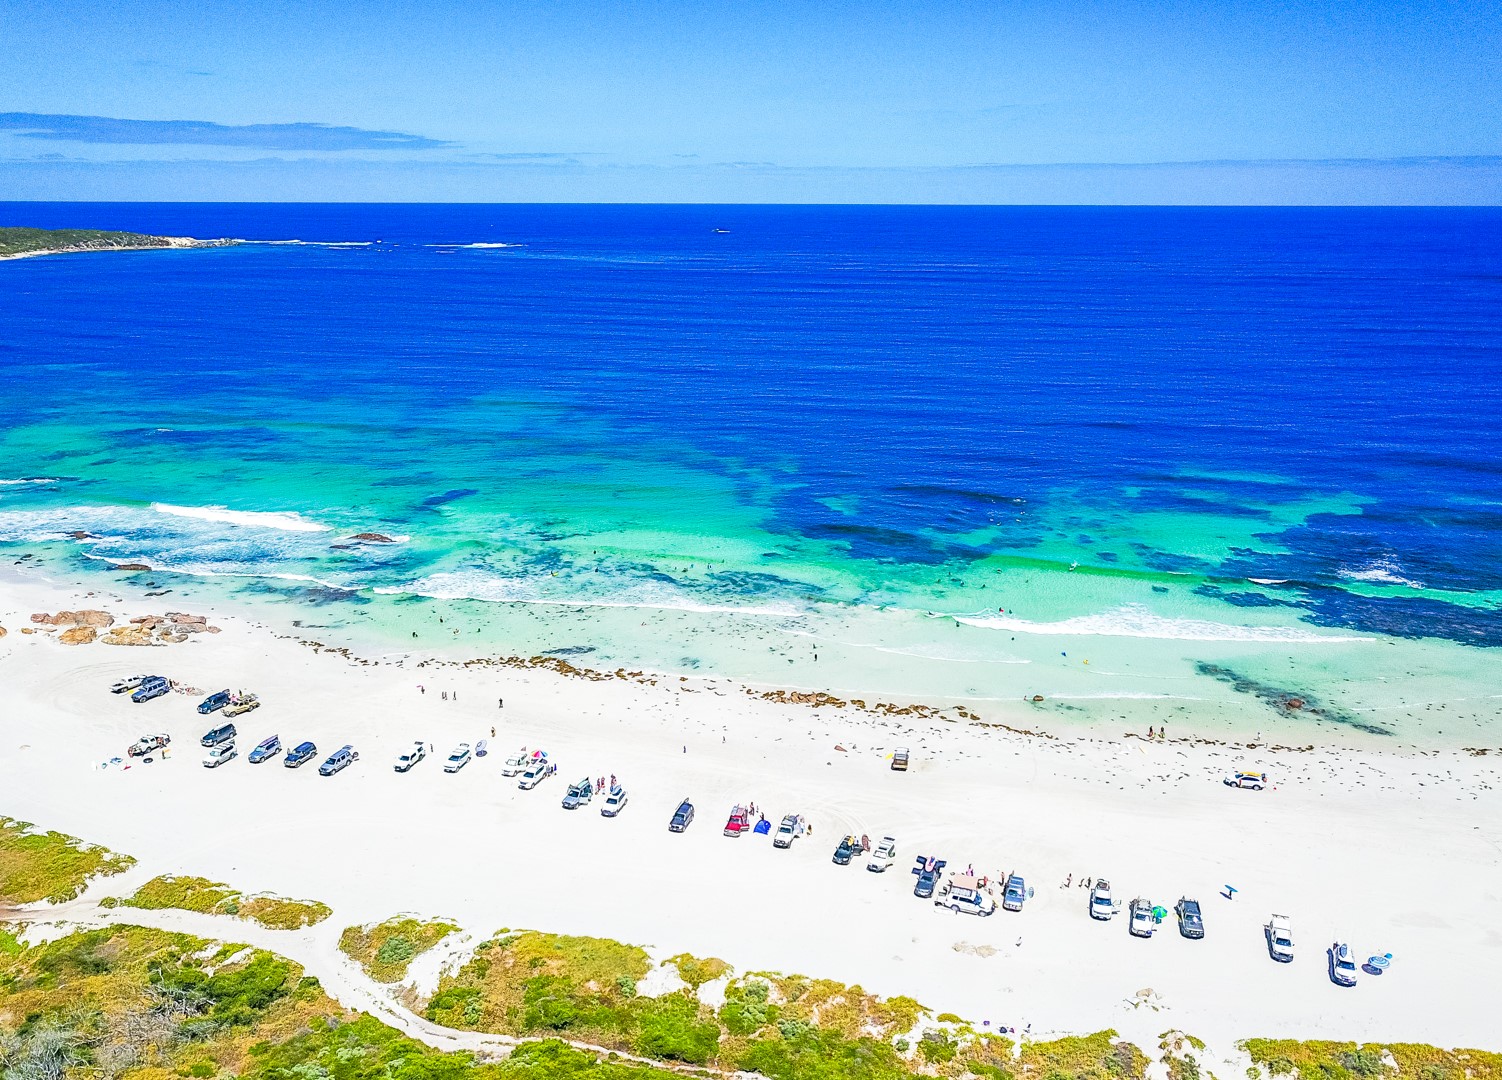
(740, 822)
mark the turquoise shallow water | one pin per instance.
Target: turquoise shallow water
(1147, 464)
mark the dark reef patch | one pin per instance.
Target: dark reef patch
(1287, 702)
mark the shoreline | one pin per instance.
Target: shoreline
(170, 243)
(1151, 816)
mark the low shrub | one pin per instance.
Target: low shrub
(49, 865)
(215, 898)
(387, 949)
(674, 1027)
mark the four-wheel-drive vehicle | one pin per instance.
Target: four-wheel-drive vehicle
(1191, 921)
(882, 855)
(1015, 894)
(578, 794)
(615, 801)
(1101, 905)
(218, 755)
(1279, 934)
(129, 683)
(790, 829)
(739, 822)
(1142, 923)
(540, 769)
(458, 759)
(265, 750)
(300, 754)
(899, 759)
(682, 817)
(242, 705)
(928, 871)
(965, 894)
(848, 849)
(222, 734)
(411, 756)
(153, 686)
(1342, 964)
(214, 702)
(1256, 781)
(517, 763)
(148, 744)
(339, 759)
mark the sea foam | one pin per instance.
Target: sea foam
(1136, 621)
(523, 590)
(285, 520)
(1386, 571)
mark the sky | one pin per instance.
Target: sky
(1242, 101)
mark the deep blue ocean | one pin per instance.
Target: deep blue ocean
(1279, 418)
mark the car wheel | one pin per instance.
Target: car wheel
(954, 908)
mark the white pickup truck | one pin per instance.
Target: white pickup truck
(517, 763)
(411, 756)
(790, 829)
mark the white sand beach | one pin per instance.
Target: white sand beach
(1396, 851)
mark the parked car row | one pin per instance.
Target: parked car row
(144, 688)
(219, 742)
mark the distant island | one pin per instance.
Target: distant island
(21, 243)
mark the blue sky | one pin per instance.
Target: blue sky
(950, 101)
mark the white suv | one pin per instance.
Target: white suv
(218, 755)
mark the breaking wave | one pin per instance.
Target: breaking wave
(1136, 621)
(285, 520)
(1385, 571)
(522, 590)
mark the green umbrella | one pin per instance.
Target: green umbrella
(1160, 912)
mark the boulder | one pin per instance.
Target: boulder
(187, 620)
(2, 631)
(373, 538)
(78, 635)
(79, 534)
(130, 567)
(128, 635)
(86, 617)
(150, 622)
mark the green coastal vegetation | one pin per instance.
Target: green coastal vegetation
(213, 898)
(130, 1003)
(385, 950)
(133, 1003)
(37, 866)
(23, 241)
(1319, 1060)
(785, 1027)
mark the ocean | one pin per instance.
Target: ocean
(1148, 465)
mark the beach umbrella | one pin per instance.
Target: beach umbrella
(1160, 913)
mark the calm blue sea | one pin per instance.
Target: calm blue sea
(1155, 419)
